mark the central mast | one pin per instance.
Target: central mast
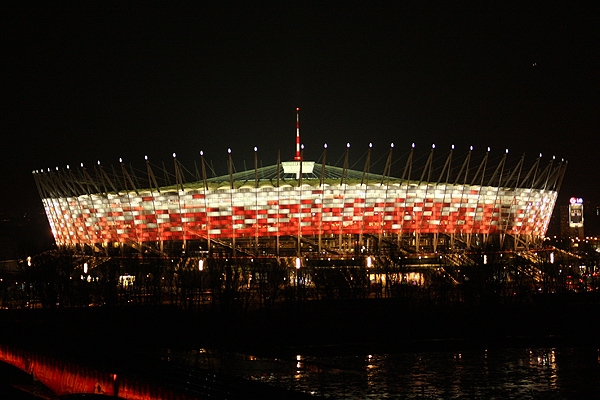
(298, 157)
(298, 167)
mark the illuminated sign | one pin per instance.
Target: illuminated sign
(576, 213)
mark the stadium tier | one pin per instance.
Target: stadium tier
(320, 207)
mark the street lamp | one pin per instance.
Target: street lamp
(298, 265)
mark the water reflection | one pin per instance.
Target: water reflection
(494, 373)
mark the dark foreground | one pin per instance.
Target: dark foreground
(18, 385)
(122, 339)
(310, 326)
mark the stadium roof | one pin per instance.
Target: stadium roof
(270, 173)
(499, 172)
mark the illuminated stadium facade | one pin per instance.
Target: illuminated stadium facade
(298, 207)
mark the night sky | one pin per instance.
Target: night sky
(81, 83)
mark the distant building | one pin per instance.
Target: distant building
(578, 219)
(559, 224)
(591, 213)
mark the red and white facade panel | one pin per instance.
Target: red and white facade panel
(307, 210)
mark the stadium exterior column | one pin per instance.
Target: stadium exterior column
(231, 200)
(425, 178)
(256, 199)
(180, 192)
(499, 187)
(321, 182)
(366, 171)
(464, 167)
(152, 180)
(387, 169)
(300, 203)
(203, 166)
(278, 202)
(344, 171)
(125, 178)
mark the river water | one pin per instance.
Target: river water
(524, 373)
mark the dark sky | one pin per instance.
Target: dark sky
(99, 81)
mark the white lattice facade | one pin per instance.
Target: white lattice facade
(269, 211)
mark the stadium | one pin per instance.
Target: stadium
(415, 204)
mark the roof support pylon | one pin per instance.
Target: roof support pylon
(408, 166)
(447, 167)
(367, 167)
(464, 168)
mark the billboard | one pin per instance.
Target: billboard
(576, 212)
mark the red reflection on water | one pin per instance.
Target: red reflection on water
(65, 378)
